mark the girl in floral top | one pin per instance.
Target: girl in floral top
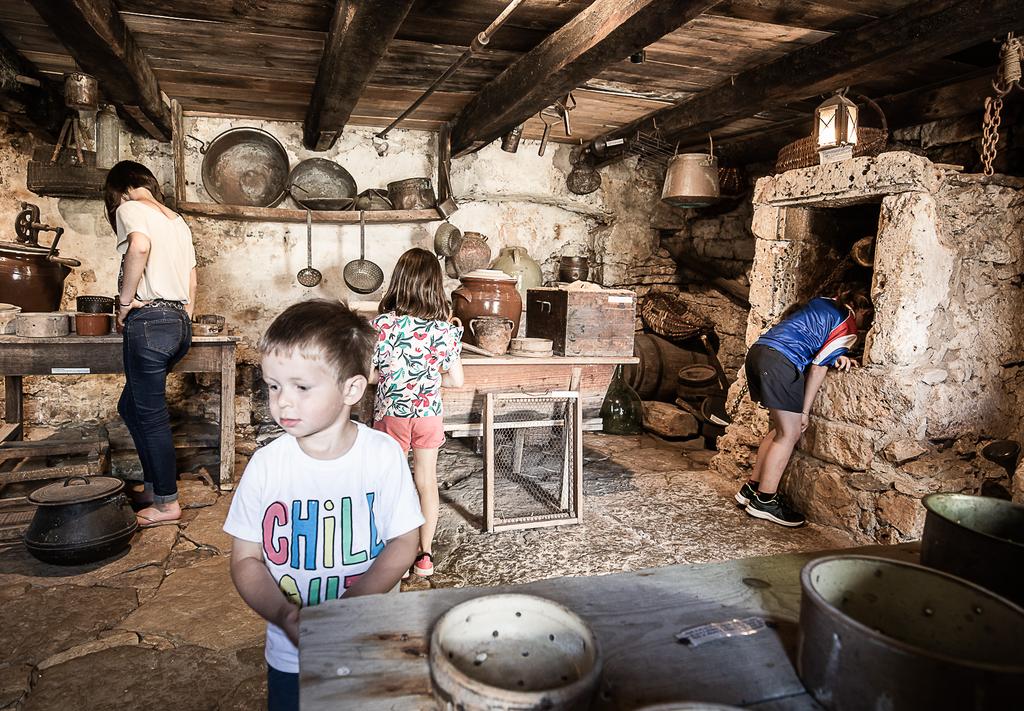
(417, 352)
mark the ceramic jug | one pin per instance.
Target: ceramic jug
(516, 262)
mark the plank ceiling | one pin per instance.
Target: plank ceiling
(259, 58)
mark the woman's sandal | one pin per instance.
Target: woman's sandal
(149, 522)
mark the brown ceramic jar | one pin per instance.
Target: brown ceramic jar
(487, 292)
(31, 278)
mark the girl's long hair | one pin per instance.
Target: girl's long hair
(416, 287)
(124, 176)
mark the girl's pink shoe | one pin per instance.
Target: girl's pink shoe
(424, 565)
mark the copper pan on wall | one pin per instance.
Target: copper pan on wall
(245, 166)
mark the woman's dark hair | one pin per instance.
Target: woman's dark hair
(416, 287)
(854, 296)
(123, 177)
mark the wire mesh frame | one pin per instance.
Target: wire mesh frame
(507, 448)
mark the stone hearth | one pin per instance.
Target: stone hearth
(942, 366)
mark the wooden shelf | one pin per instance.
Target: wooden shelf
(278, 214)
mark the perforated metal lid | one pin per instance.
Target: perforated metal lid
(76, 490)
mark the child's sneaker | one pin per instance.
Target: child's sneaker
(776, 510)
(745, 494)
(424, 565)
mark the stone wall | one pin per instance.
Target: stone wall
(942, 364)
(247, 269)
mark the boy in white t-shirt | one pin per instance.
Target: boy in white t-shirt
(329, 509)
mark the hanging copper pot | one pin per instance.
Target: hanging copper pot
(691, 180)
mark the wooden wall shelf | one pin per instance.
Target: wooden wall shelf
(277, 214)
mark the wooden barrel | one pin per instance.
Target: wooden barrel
(655, 377)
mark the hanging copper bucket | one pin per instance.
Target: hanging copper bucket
(691, 180)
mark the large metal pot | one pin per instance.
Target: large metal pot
(412, 194)
(80, 520)
(977, 538)
(884, 634)
(32, 277)
(246, 166)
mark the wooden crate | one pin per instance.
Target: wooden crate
(582, 322)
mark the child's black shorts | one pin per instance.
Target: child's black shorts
(773, 380)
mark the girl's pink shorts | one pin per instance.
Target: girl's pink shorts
(414, 432)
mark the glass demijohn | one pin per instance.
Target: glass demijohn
(622, 411)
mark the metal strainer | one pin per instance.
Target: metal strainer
(361, 275)
(309, 276)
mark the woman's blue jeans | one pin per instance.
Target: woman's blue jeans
(155, 338)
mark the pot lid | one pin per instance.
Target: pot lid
(4, 308)
(19, 248)
(489, 274)
(76, 490)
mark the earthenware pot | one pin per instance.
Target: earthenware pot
(487, 292)
(470, 253)
(92, 324)
(492, 333)
(32, 277)
(80, 520)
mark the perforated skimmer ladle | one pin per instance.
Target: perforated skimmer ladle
(361, 275)
(309, 276)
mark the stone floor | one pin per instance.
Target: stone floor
(161, 626)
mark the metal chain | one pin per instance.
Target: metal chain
(1008, 75)
(990, 131)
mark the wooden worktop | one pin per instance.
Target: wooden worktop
(371, 652)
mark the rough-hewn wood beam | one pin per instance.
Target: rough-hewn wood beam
(30, 99)
(924, 31)
(359, 36)
(606, 32)
(94, 34)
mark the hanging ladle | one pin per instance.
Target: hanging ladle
(361, 275)
(309, 277)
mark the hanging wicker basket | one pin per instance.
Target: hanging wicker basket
(666, 315)
(803, 153)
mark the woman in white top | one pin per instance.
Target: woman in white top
(156, 297)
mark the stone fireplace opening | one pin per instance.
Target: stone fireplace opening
(840, 243)
(943, 363)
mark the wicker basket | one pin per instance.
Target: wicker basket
(803, 153)
(666, 315)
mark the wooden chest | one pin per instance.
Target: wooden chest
(582, 323)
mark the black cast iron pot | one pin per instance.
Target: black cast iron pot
(80, 520)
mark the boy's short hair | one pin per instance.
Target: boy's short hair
(321, 328)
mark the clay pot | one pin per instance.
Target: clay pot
(492, 333)
(31, 278)
(516, 262)
(88, 324)
(572, 269)
(470, 253)
(487, 292)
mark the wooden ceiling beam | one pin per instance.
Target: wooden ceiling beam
(96, 36)
(606, 32)
(359, 36)
(31, 100)
(924, 31)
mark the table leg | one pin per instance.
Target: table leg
(227, 415)
(14, 411)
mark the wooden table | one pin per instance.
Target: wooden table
(463, 407)
(92, 355)
(371, 652)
